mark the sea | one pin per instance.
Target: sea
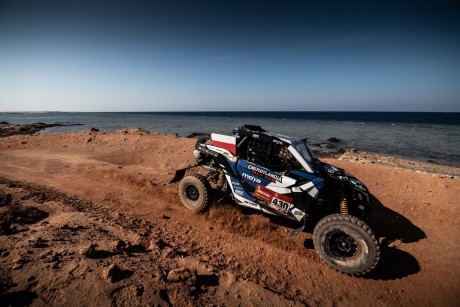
(432, 137)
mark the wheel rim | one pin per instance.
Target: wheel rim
(192, 193)
(342, 245)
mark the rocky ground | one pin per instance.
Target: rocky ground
(89, 219)
(60, 250)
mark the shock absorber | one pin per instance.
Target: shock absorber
(343, 202)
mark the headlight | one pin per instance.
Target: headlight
(357, 184)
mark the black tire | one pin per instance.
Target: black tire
(347, 244)
(194, 192)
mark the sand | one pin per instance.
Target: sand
(89, 218)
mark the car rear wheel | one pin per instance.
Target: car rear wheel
(194, 192)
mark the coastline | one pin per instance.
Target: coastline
(435, 169)
(7, 129)
(413, 136)
(327, 149)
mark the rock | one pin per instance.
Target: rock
(334, 140)
(152, 246)
(52, 258)
(38, 243)
(395, 243)
(19, 262)
(119, 246)
(94, 130)
(327, 146)
(89, 251)
(44, 254)
(113, 273)
(184, 275)
(197, 134)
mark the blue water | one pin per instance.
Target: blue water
(420, 136)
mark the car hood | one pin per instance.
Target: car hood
(340, 174)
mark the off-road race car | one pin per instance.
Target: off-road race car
(279, 175)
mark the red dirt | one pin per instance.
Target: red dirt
(110, 189)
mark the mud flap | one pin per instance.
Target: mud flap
(180, 173)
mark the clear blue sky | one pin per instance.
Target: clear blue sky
(229, 55)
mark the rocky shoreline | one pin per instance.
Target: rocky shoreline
(7, 129)
(329, 148)
(439, 170)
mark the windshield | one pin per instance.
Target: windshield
(305, 152)
(305, 158)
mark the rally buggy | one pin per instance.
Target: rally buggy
(279, 175)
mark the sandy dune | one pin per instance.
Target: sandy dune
(91, 220)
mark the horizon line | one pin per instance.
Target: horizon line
(223, 111)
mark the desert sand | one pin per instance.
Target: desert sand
(89, 218)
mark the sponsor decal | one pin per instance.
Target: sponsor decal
(263, 173)
(281, 205)
(250, 204)
(263, 193)
(251, 178)
(279, 202)
(237, 187)
(298, 214)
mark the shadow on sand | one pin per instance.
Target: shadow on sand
(390, 226)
